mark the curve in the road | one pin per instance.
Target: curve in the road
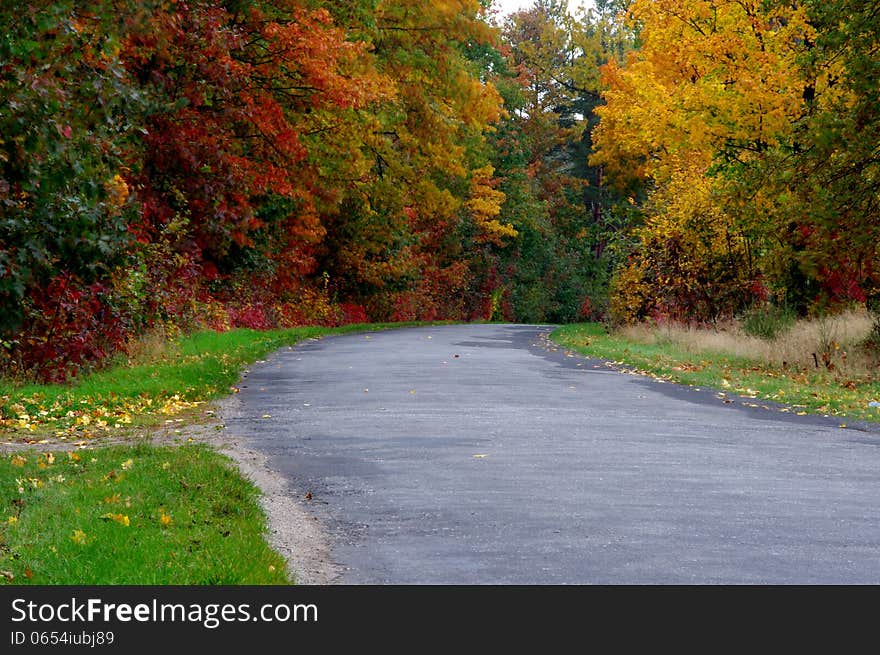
(472, 454)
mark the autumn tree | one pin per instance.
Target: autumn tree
(67, 118)
(257, 108)
(559, 267)
(408, 243)
(713, 95)
(826, 178)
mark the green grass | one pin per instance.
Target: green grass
(767, 322)
(802, 391)
(96, 517)
(184, 373)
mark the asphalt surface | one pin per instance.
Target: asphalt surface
(473, 454)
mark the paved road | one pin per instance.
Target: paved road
(472, 454)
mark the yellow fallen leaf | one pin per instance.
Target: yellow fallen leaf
(127, 464)
(78, 537)
(122, 519)
(164, 519)
(480, 456)
(12, 519)
(18, 460)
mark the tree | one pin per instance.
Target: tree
(67, 116)
(716, 95)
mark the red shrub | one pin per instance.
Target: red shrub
(255, 316)
(353, 313)
(69, 327)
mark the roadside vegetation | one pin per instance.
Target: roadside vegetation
(821, 365)
(131, 515)
(74, 510)
(158, 380)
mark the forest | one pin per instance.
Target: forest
(171, 165)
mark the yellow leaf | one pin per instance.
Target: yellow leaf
(78, 537)
(122, 519)
(127, 464)
(18, 460)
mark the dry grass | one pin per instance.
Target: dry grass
(156, 345)
(834, 343)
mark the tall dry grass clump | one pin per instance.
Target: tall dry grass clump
(842, 344)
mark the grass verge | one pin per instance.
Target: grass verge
(139, 514)
(131, 515)
(169, 379)
(801, 389)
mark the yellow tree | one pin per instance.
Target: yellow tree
(715, 83)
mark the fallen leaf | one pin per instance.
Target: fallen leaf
(480, 456)
(122, 519)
